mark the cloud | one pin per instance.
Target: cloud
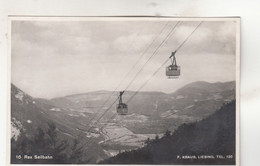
(51, 58)
(133, 42)
(213, 37)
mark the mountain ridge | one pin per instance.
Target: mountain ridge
(150, 113)
(192, 84)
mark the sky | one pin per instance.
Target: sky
(58, 58)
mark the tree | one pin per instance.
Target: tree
(77, 152)
(167, 134)
(44, 142)
(39, 140)
(156, 139)
(51, 133)
(148, 141)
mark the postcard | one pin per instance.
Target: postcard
(124, 90)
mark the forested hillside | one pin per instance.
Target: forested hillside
(209, 141)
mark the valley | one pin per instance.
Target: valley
(151, 114)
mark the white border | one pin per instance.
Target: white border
(17, 18)
(250, 59)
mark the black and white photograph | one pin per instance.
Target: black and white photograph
(124, 90)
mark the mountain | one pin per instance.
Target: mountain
(150, 114)
(29, 117)
(202, 86)
(154, 104)
(209, 141)
(25, 112)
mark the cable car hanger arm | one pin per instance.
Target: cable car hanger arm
(173, 54)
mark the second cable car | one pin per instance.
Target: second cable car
(173, 71)
(121, 107)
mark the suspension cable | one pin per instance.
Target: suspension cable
(163, 64)
(189, 36)
(147, 81)
(168, 35)
(151, 56)
(140, 57)
(154, 72)
(151, 75)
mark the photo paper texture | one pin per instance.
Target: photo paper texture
(124, 90)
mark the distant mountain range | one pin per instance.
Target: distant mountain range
(150, 114)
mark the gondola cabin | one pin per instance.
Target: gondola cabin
(173, 71)
(121, 107)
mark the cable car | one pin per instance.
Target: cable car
(173, 71)
(121, 107)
